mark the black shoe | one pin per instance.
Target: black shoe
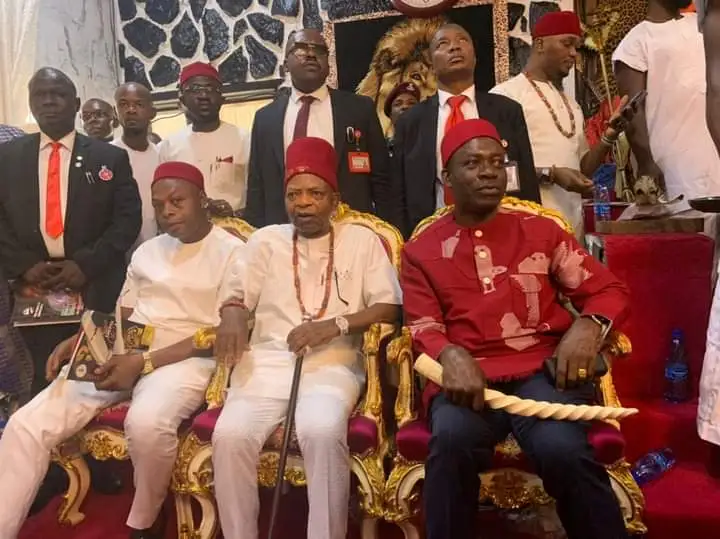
(144, 534)
(104, 479)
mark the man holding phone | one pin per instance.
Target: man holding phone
(664, 54)
(480, 294)
(563, 159)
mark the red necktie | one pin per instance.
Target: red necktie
(456, 116)
(53, 207)
(301, 123)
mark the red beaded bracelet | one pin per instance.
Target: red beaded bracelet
(233, 303)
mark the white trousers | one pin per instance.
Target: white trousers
(244, 426)
(160, 402)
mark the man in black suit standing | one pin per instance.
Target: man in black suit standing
(347, 121)
(69, 210)
(418, 132)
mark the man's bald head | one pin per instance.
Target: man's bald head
(55, 75)
(53, 102)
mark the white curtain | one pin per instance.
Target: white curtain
(18, 51)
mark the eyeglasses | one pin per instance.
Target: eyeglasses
(201, 88)
(303, 50)
(95, 115)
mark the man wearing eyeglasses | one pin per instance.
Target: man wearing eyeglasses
(217, 148)
(99, 119)
(347, 121)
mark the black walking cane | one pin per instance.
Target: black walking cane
(281, 485)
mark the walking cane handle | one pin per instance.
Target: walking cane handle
(433, 371)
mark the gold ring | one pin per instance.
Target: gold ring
(582, 374)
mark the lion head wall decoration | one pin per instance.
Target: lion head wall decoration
(402, 55)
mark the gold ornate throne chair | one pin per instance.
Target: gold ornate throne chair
(366, 430)
(104, 439)
(511, 482)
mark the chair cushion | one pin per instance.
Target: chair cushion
(362, 433)
(608, 444)
(114, 418)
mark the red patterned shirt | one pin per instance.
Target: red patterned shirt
(493, 289)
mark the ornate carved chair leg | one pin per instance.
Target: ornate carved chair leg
(185, 522)
(79, 483)
(368, 528)
(630, 496)
(410, 531)
(209, 521)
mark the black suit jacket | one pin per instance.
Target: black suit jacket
(415, 152)
(373, 193)
(102, 218)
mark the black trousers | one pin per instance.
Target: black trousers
(462, 446)
(41, 341)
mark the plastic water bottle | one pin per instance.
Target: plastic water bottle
(652, 466)
(601, 203)
(677, 371)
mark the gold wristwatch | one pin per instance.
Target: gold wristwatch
(148, 366)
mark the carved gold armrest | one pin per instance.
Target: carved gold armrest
(400, 353)
(374, 337)
(617, 345)
(204, 339)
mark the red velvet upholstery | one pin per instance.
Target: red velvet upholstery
(669, 276)
(607, 442)
(114, 418)
(362, 432)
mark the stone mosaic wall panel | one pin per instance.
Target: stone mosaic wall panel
(245, 38)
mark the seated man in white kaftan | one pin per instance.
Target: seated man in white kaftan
(314, 288)
(176, 283)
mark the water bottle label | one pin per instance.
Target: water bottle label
(676, 373)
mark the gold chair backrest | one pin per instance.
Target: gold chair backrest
(390, 236)
(235, 226)
(508, 203)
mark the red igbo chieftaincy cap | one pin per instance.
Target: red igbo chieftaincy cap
(312, 155)
(557, 23)
(199, 69)
(464, 132)
(402, 88)
(177, 170)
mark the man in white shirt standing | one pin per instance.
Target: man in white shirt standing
(176, 283)
(314, 288)
(219, 149)
(564, 162)
(709, 21)
(135, 110)
(664, 54)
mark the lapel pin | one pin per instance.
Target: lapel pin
(105, 174)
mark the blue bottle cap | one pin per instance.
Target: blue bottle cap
(677, 334)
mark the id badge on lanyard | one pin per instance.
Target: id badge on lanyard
(511, 170)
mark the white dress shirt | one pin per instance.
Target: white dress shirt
(55, 246)
(320, 121)
(470, 112)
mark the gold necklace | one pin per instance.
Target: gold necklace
(541, 95)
